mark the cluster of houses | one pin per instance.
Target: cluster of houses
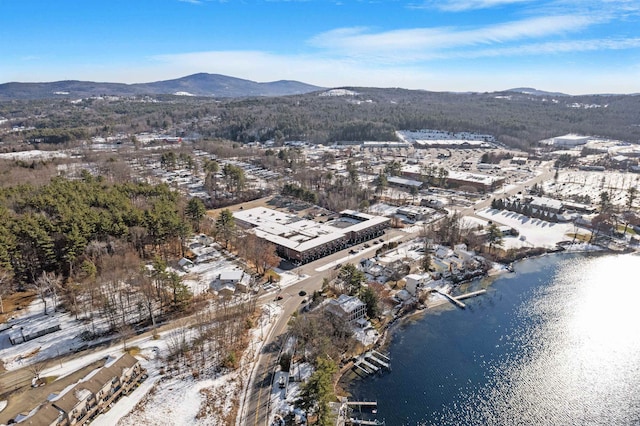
(84, 400)
(448, 263)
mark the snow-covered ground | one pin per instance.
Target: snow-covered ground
(586, 183)
(533, 232)
(33, 154)
(160, 399)
(45, 347)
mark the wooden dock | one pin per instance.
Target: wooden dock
(374, 359)
(363, 403)
(472, 294)
(371, 362)
(381, 356)
(353, 421)
(362, 406)
(452, 299)
(456, 300)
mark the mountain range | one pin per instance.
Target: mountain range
(202, 84)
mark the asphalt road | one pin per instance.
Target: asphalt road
(257, 407)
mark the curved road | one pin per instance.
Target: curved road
(256, 408)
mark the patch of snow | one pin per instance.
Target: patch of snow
(338, 92)
(533, 232)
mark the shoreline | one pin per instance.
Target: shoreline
(341, 384)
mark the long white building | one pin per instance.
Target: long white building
(302, 240)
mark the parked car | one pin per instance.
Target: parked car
(302, 293)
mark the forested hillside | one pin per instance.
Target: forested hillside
(68, 225)
(515, 119)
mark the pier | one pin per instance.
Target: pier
(374, 359)
(472, 294)
(373, 404)
(369, 365)
(371, 362)
(360, 406)
(456, 300)
(381, 356)
(353, 421)
(453, 300)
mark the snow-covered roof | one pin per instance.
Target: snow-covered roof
(231, 275)
(292, 232)
(404, 181)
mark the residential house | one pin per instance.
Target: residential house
(47, 415)
(76, 403)
(185, 263)
(103, 384)
(230, 280)
(415, 282)
(128, 368)
(348, 308)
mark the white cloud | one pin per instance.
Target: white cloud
(463, 5)
(556, 47)
(357, 41)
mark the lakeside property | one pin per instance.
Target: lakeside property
(538, 335)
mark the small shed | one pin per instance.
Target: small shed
(185, 263)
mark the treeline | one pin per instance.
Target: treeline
(55, 136)
(54, 227)
(515, 119)
(293, 190)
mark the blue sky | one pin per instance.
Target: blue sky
(572, 46)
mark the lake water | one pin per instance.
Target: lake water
(555, 343)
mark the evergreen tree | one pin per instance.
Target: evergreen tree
(370, 298)
(225, 226)
(317, 392)
(195, 211)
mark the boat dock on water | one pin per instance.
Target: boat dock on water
(456, 300)
(358, 408)
(371, 362)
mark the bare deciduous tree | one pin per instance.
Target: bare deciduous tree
(48, 283)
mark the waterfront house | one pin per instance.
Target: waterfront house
(348, 308)
(416, 281)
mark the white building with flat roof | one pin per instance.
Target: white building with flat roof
(569, 140)
(303, 240)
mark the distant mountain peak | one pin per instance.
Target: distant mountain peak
(200, 84)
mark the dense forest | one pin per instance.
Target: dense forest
(515, 119)
(62, 225)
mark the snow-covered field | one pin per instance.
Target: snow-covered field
(533, 232)
(585, 183)
(33, 154)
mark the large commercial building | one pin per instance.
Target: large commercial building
(302, 240)
(456, 179)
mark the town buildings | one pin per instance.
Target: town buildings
(81, 402)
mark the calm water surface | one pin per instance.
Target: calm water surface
(555, 343)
